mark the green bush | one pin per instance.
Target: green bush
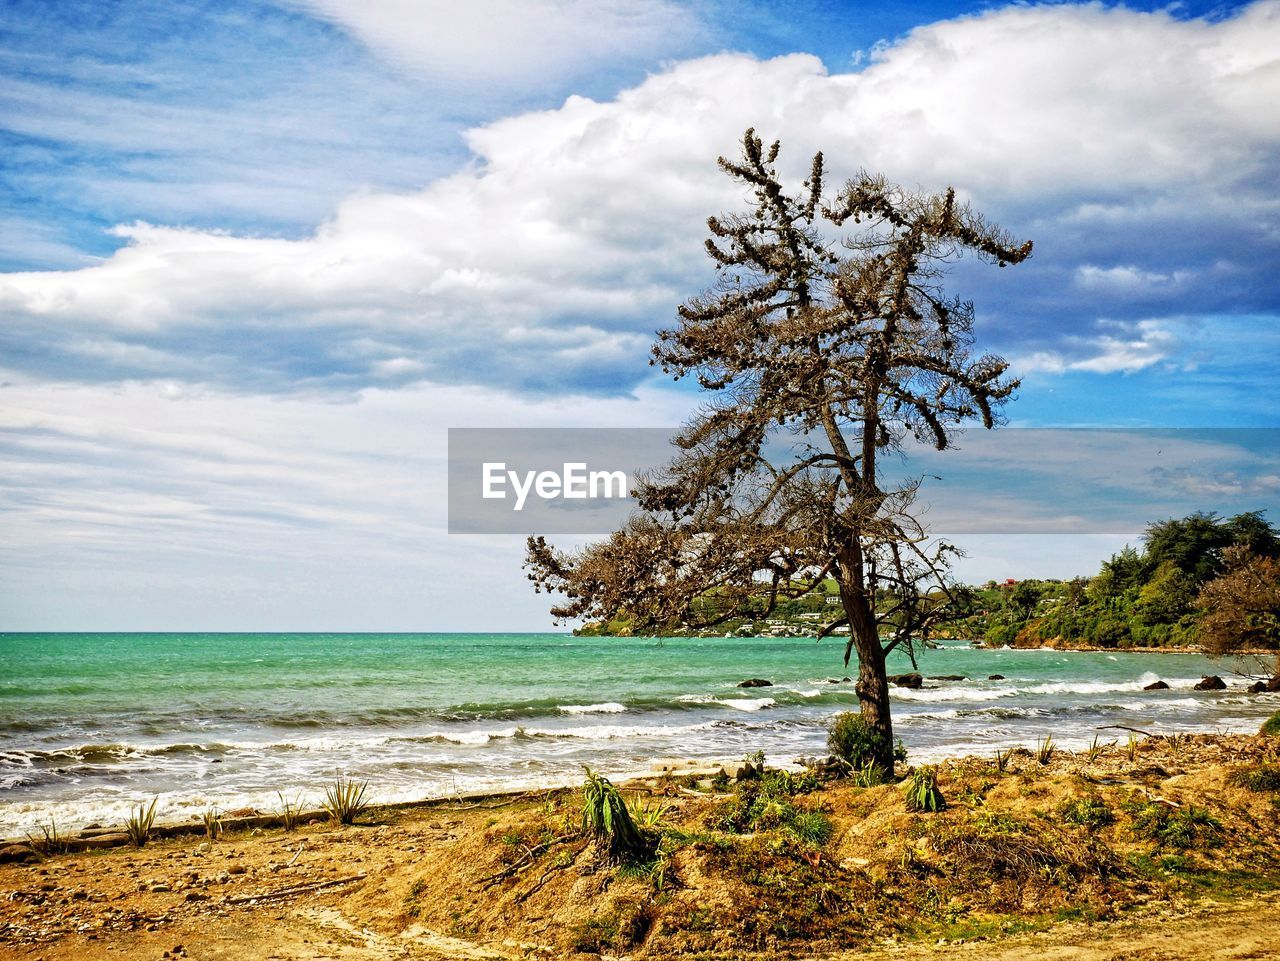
(1271, 726)
(855, 742)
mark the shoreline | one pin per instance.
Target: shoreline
(498, 875)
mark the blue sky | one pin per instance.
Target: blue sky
(256, 257)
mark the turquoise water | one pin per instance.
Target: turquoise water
(90, 724)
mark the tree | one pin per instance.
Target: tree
(847, 349)
(1241, 608)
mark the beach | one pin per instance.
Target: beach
(511, 876)
(93, 725)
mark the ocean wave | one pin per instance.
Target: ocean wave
(737, 703)
(109, 753)
(609, 707)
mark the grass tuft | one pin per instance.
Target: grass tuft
(50, 840)
(868, 775)
(1095, 749)
(1045, 750)
(922, 791)
(139, 824)
(291, 811)
(212, 820)
(1181, 828)
(346, 799)
(647, 812)
(1131, 748)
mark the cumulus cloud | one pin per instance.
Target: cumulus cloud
(1138, 150)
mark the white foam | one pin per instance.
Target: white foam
(609, 707)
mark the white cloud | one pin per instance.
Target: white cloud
(1121, 347)
(512, 41)
(548, 261)
(136, 506)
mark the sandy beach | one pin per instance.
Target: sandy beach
(512, 876)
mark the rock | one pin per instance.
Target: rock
(913, 680)
(947, 677)
(756, 682)
(17, 853)
(1156, 686)
(197, 896)
(1273, 685)
(1257, 687)
(995, 677)
(1214, 683)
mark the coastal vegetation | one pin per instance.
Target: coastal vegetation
(1200, 581)
(751, 861)
(830, 324)
(344, 800)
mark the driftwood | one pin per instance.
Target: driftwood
(299, 889)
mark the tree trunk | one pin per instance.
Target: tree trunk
(872, 686)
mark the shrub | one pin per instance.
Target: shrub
(346, 799)
(606, 819)
(139, 825)
(1264, 777)
(922, 791)
(1271, 726)
(855, 742)
(1088, 812)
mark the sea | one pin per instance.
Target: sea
(92, 725)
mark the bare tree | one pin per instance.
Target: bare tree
(828, 325)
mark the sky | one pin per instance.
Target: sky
(257, 257)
